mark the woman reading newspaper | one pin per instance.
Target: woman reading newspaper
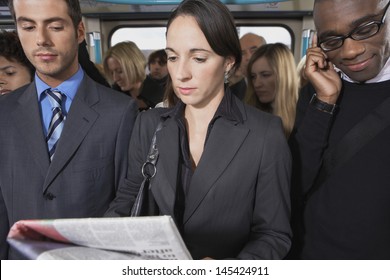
(223, 170)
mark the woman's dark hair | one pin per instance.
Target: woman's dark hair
(11, 49)
(217, 24)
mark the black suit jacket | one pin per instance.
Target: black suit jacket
(238, 203)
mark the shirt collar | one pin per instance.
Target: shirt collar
(383, 75)
(227, 109)
(68, 87)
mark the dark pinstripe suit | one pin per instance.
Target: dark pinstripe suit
(90, 159)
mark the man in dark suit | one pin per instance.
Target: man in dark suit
(80, 176)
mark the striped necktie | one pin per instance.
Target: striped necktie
(57, 121)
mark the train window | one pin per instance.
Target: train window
(146, 38)
(152, 38)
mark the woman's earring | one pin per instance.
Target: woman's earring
(226, 77)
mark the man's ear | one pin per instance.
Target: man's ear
(80, 32)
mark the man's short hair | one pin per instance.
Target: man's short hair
(159, 54)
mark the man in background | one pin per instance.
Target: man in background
(153, 87)
(249, 43)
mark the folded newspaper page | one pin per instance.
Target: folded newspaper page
(153, 237)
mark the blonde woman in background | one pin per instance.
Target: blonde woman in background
(273, 82)
(124, 66)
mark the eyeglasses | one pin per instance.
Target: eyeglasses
(361, 32)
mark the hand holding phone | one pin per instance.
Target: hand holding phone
(320, 71)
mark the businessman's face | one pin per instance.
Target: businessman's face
(49, 38)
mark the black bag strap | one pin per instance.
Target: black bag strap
(148, 171)
(362, 133)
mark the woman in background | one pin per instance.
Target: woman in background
(124, 66)
(15, 69)
(273, 83)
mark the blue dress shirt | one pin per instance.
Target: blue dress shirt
(68, 88)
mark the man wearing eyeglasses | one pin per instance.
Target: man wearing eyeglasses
(341, 140)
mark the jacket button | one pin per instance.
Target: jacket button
(49, 196)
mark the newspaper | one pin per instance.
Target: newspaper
(153, 237)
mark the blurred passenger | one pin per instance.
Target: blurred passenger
(249, 43)
(157, 64)
(153, 87)
(273, 82)
(223, 171)
(15, 69)
(124, 66)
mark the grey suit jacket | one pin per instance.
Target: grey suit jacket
(89, 163)
(238, 203)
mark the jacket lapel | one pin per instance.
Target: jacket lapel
(81, 118)
(27, 118)
(224, 141)
(164, 184)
